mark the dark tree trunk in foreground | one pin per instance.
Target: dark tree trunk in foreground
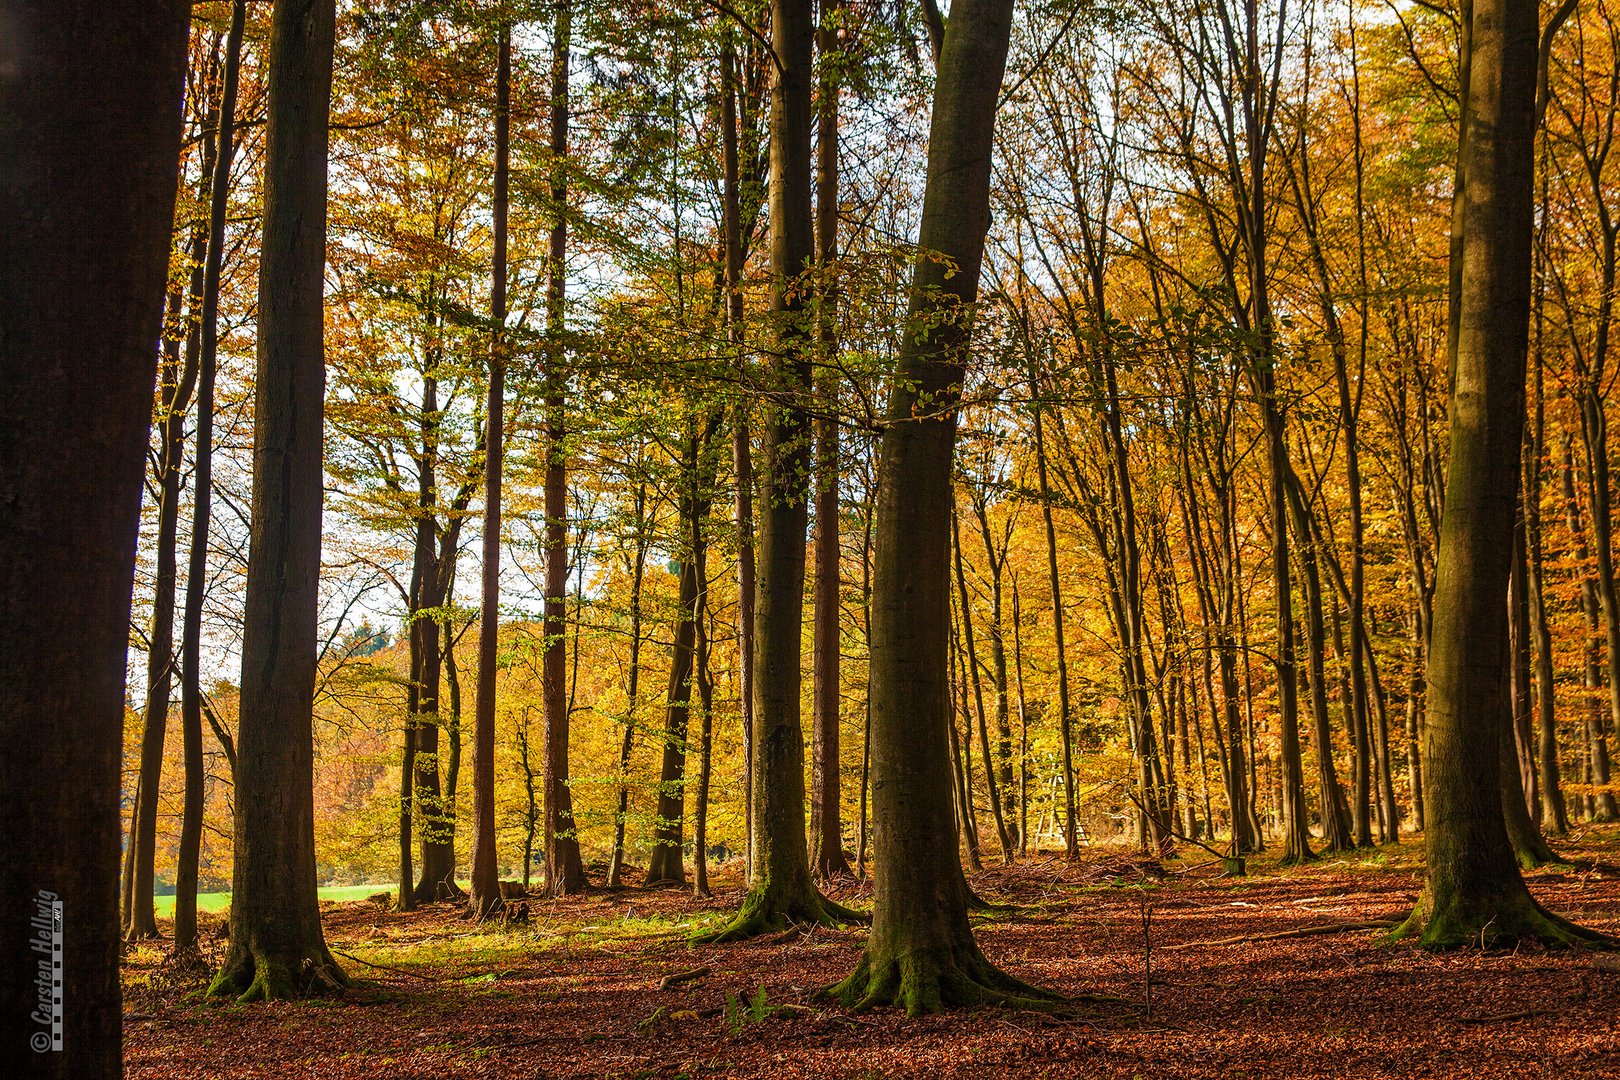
(1474, 893)
(191, 705)
(564, 872)
(277, 950)
(921, 953)
(484, 889)
(86, 205)
(780, 887)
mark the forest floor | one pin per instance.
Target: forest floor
(576, 992)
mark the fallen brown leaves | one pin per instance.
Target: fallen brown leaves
(595, 988)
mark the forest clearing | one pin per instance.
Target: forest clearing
(809, 537)
(577, 993)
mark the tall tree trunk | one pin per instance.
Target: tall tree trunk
(565, 874)
(780, 886)
(921, 953)
(1071, 838)
(705, 704)
(484, 891)
(970, 664)
(176, 382)
(826, 817)
(1554, 815)
(1473, 892)
(191, 706)
(86, 204)
(1334, 813)
(741, 440)
(277, 950)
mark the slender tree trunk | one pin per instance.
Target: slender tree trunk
(191, 721)
(826, 817)
(741, 440)
(177, 381)
(277, 950)
(1604, 805)
(970, 663)
(705, 703)
(638, 573)
(1335, 815)
(565, 874)
(1071, 839)
(780, 886)
(484, 891)
(1554, 816)
(87, 196)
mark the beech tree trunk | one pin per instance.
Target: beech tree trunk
(921, 953)
(277, 950)
(780, 886)
(1473, 893)
(484, 888)
(176, 381)
(87, 197)
(826, 817)
(191, 706)
(565, 874)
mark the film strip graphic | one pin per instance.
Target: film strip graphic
(56, 975)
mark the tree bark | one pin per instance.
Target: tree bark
(191, 705)
(176, 382)
(1473, 893)
(921, 953)
(781, 889)
(826, 816)
(484, 889)
(86, 205)
(277, 950)
(565, 874)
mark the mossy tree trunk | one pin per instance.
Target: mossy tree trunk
(1473, 893)
(86, 206)
(921, 953)
(277, 950)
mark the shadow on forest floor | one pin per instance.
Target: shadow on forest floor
(576, 991)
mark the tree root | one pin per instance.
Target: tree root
(930, 981)
(249, 976)
(765, 912)
(1511, 922)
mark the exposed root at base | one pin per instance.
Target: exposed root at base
(762, 913)
(249, 977)
(933, 980)
(1513, 923)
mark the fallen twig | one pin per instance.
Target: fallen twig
(669, 982)
(1305, 931)
(1494, 1018)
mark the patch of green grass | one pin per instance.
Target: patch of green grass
(219, 901)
